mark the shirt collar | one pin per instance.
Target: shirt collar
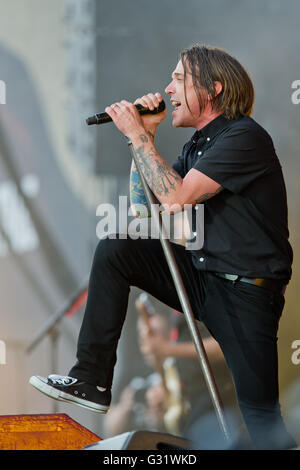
(212, 128)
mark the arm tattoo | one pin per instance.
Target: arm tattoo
(137, 195)
(206, 196)
(143, 138)
(159, 175)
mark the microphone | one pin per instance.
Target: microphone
(102, 118)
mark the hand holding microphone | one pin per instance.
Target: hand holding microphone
(146, 113)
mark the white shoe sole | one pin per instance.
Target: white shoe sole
(52, 392)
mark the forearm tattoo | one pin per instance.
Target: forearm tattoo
(137, 195)
(161, 178)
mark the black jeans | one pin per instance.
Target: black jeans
(243, 318)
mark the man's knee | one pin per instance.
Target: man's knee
(109, 247)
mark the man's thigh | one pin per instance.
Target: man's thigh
(144, 262)
(244, 320)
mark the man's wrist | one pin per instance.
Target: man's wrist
(151, 132)
(142, 135)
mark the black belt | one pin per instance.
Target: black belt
(270, 284)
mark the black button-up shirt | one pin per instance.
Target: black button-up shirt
(245, 225)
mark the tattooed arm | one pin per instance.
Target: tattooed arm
(138, 201)
(167, 185)
(161, 178)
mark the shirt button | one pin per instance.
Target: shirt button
(195, 234)
(200, 153)
(201, 259)
(208, 139)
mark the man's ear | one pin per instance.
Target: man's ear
(218, 87)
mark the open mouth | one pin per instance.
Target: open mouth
(176, 104)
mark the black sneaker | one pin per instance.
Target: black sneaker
(70, 390)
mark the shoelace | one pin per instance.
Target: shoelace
(60, 380)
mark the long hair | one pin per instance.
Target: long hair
(209, 65)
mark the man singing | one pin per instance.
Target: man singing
(236, 281)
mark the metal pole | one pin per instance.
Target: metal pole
(186, 307)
